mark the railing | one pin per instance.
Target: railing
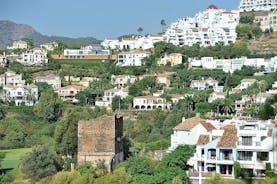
(253, 143)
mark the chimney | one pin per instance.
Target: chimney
(197, 115)
(210, 137)
(183, 119)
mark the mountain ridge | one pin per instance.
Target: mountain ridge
(11, 31)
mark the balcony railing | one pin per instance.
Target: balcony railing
(253, 143)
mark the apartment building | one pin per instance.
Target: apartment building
(206, 28)
(248, 142)
(36, 56)
(257, 5)
(135, 42)
(231, 65)
(20, 94)
(132, 58)
(86, 52)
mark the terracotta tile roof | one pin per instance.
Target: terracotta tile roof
(269, 133)
(208, 126)
(190, 123)
(203, 139)
(229, 137)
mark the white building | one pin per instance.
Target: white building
(231, 65)
(107, 99)
(204, 84)
(11, 78)
(52, 80)
(20, 94)
(206, 28)
(86, 52)
(3, 60)
(150, 103)
(135, 42)
(19, 45)
(36, 56)
(173, 59)
(257, 5)
(188, 132)
(49, 46)
(248, 142)
(244, 84)
(216, 96)
(122, 81)
(131, 58)
(68, 93)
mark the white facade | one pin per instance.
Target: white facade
(204, 84)
(132, 58)
(231, 65)
(206, 28)
(248, 142)
(109, 95)
(188, 132)
(138, 42)
(216, 96)
(11, 78)
(85, 51)
(122, 81)
(150, 103)
(19, 45)
(36, 56)
(52, 80)
(21, 94)
(257, 5)
(3, 60)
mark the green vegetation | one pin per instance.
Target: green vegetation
(41, 162)
(11, 161)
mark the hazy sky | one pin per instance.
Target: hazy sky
(102, 18)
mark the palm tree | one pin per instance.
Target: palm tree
(163, 24)
(228, 106)
(140, 30)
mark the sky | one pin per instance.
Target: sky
(102, 18)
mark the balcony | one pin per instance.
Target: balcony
(253, 143)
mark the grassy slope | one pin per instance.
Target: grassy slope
(13, 157)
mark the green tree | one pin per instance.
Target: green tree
(139, 165)
(266, 111)
(140, 30)
(163, 24)
(41, 162)
(49, 106)
(215, 179)
(119, 176)
(203, 107)
(178, 157)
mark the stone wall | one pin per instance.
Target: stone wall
(100, 139)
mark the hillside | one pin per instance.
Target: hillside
(11, 31)
(264, 45)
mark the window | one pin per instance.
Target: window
(247, 141)
(245, 155)
(262, 156)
